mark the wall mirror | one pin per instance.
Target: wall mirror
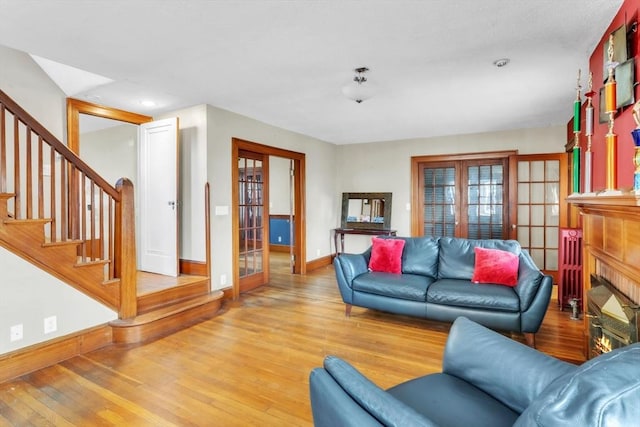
(371, 211)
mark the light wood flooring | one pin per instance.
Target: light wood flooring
(247, 366)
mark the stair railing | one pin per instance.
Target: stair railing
(52, 184)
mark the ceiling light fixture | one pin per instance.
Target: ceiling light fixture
(147, 103)
(358, 90)
(502, 62)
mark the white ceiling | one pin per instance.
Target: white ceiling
(284, 62)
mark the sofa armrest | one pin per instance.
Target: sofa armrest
(347, 268)
(534, 290)
(332, 406)
(511, 372)
(342, 396)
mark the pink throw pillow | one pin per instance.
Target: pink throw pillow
(386, 255)
(495, 266)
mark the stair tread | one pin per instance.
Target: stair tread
(169, 310)
(13, 221)
(81, 264)
(62, 243)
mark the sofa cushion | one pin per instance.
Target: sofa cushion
(386, 255)
(463, 293)
(495, 266)
(450, 401)
(457, 256)
(406, 286)
(420, 256)
(604, 391)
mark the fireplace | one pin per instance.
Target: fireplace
(611, 250)
(613, 318)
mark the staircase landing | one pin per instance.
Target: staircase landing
(167, 304)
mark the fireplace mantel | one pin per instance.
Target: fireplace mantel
(611, 232)
(611, 240)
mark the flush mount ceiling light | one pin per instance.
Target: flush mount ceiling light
(502, 62)
(358, 90)
(147, 103)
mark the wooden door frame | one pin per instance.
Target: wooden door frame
(417, 227)
(75, 107)
(299, 237)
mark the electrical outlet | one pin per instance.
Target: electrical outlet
(223, 279)
(15, 332)
(50, 324)
(317, 252)
(279, 239)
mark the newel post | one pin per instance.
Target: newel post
(125, 267)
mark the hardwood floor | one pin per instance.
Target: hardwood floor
(247, 366)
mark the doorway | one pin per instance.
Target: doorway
(281, 216)
(124, 152)
(250, 213)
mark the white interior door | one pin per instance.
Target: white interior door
(157, 196)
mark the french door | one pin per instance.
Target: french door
(253, 171)
(541, 210)
(494, 196)
(465, 197)
(250, 213)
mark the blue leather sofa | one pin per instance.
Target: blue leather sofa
(436, 284)
(486, 380)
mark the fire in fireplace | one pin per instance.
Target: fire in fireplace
(613, 318)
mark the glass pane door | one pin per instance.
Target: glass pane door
(439, 200)
(251, 213)
(464, 198)
(485, 201)
(540, 213)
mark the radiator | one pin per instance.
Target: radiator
(570, 266)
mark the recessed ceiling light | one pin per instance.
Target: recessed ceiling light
(147, 103)
(501, 62)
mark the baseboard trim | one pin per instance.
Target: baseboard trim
(319, 263)
(195, 268)
(279, 248)
(28, 359)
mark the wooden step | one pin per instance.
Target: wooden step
(167, 319)
(186, 287)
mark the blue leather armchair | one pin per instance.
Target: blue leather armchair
(487, 380)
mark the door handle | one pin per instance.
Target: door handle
(173, 204)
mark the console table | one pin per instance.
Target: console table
(365, 231)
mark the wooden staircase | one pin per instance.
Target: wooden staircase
(26, 238)
(44, 188)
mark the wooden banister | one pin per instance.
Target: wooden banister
(58, 146)
(77, 204)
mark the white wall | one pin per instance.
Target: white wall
(29, 294)
(279, 186)
(25, 82)
(386, 166)
(112, 152)
(321, 204)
